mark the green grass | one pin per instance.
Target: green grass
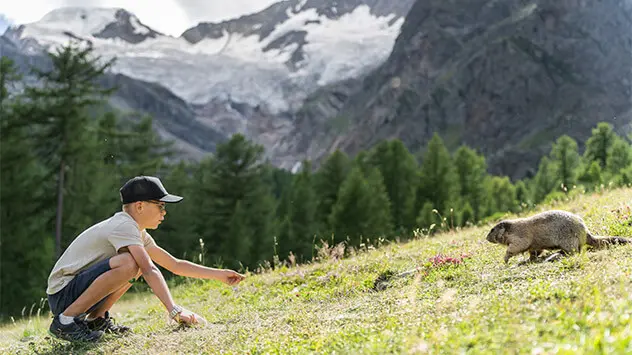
(579, 305)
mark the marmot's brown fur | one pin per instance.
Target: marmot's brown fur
(549, 230)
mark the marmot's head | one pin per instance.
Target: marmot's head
(498, 234)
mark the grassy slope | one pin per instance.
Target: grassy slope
(578, 305)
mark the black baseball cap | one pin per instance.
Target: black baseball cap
(145, 188)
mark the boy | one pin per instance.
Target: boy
(94, 271)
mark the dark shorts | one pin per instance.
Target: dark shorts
(59, 301)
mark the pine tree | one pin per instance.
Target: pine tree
(301, 214)
(61, 109)
(26, 252)
(591, 175)
(234, 175)
(599, 144)
(380, 215)
(438, 180)
(240, 237)
(399, 170)
(620, 156)
(362, 210)
(471, 170)
(143, 150)
(523, 195)
(328, 181)
(259, 205)
(279, 181)
(503, 194)
(348, 215)
(545, 180)
(566, 159)
(178, 232)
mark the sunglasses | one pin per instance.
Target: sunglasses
(162, 206)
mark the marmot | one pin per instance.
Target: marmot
(548, 230)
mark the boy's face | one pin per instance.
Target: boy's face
(153, 214)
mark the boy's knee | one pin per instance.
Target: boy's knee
(128, 264)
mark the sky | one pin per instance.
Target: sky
(171, 17)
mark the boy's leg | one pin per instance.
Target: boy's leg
(99, 310)
(99, 316)
(84, 291)
(122, 268)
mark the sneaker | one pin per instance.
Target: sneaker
(107, 325)
(76, 331)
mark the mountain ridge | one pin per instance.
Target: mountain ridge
(506, 78)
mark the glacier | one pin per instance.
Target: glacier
(233, 67)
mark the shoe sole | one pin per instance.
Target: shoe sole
(73, 340)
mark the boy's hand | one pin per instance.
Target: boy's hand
(189, 318)
(231, 277)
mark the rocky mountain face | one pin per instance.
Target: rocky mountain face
(505, 77)
(128, 28)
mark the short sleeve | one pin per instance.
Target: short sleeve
(125, 234)
(148, 240)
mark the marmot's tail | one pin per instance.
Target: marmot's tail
(604, 241)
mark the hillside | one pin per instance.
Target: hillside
(579, 305)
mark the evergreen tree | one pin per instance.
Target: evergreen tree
(545, 180)
(362, 160)
(302, 208)
(328, 181)
(26, 252)
(471, 170)
(591, 175)
(178, 232)
(380, 215)
(142, 149)
(566, 160)
(438, 179)
(240, 239)
(279, 181)
(523, 196)
(503, 194)
(348, 215)
(60, 106)
(236, 175)
(399, 170)
(362, 210)
(620, 156)
(599, 144)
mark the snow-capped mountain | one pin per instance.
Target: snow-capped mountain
(273, 59)
(85, 24)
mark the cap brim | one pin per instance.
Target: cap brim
(171, 198)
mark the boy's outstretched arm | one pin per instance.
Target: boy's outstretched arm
(189, 269)
(156, 281)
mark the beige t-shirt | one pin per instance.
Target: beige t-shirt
(97, 243)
